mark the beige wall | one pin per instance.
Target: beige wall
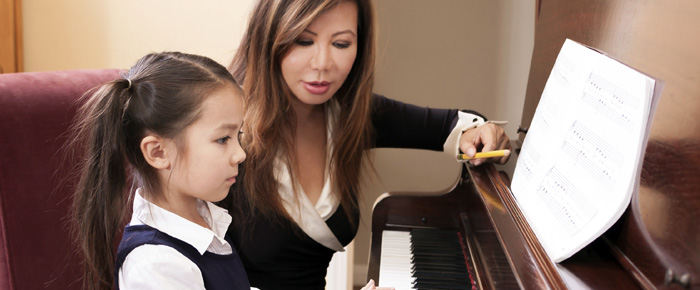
(446, 53)
(74, 34)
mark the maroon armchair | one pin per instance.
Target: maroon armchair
(35, 111)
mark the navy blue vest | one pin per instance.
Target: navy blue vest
(218, 271)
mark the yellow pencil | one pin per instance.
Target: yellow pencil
(495, 153)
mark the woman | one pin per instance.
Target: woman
(307, 68)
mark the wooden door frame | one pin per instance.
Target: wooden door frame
(11, 36)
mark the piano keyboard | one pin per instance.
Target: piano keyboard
(424, 259)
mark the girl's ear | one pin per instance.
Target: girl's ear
(155, 152)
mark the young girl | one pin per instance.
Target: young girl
(307, 68)
(170, 128)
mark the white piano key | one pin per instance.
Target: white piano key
(395, 267)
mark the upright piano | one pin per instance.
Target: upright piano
(475, 237)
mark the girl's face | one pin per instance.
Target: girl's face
(209, 166)
(319, 62)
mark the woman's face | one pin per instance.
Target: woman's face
(319, 62)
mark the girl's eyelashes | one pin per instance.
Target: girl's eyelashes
(223, 140)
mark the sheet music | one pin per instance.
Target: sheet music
(581, 158)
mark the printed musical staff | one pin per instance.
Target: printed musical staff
(572, 209)
(612, 101)
(592, 153)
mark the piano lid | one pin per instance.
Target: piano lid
(660, 232)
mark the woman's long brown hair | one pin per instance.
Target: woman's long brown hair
(273, 28)
(161, 95)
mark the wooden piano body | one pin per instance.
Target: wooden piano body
(656, 243)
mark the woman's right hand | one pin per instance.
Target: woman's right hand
(489, 137)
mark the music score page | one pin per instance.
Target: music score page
(581, 158)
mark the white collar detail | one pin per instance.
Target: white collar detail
(309, 217)
(180, 228)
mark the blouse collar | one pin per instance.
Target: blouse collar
(311, 217)
(180, 228)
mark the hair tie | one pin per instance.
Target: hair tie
(126, 102)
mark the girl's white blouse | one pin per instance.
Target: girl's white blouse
(162, 267)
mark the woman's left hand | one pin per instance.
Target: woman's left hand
(370, 286)
(488, 137)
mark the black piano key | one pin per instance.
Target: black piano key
(438, 269)
(431, 275)
(450, 253)
(438, 285)
(456, 268)
(440, 281)
(438, 260)
(450, 272)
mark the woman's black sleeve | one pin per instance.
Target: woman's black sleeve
(401, 125)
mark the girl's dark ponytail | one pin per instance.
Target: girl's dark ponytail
(101, 193)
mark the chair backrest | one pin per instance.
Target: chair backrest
(36, 110)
